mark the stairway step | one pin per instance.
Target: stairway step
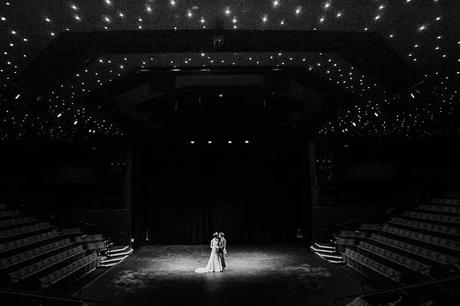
(120, 252)
(116, 248)
(113, 260)
(324, 245)
(335, 259)
(315, 248)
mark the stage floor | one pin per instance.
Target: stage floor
(258, 275)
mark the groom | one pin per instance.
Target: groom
(222, 249)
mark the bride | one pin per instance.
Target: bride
(214, 264)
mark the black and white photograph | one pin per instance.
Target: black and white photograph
(229, 152)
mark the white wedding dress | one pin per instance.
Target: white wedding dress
(214, 264)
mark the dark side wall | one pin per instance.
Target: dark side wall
(76, 181)
(366, 177)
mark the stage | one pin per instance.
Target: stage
(256, 275)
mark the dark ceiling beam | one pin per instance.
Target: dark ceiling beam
(369, 52)
(103, 98)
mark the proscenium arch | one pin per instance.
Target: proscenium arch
(70, 51)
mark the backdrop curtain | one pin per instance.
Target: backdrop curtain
(254, 193)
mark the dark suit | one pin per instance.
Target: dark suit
(222, 251)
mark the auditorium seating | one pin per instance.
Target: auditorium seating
(24, 230)
(446, 201)
(44, 264)
(395, 257)
(442, 209)
(419, 243)
(97, 245)
(27, 241)
(448, 230)
(34, 253)
(432, 217)
(369, 227)
(363, 264)
(342, 243)
(88, 262)
(72, 231)
(16, 221)
(420, 251)
(89, 238)
(9, 213)
(433, 240)
(352, 234)
(29, 254)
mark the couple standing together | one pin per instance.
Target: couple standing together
(216, 262)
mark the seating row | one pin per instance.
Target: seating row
(422, 252)
(19, 243)
(16, 221)
(455, 231)
(342, 243)
(72, 231)
(432, 217)
(352, 234)
(9, 213)
(395, 257)
(58, 275)
(446, 201)
(44, 264)
(24, 230)
(439, 208)
(369, 227)
(89, 238)
(351, 257)
(29, 254)
(98, 245)
(442, 242)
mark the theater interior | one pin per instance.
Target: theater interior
(322, 137)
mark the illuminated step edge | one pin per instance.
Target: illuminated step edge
(112, 262)
(313, 248)
(115, 256)
(323, 246)
(119, 251)
(328, 254)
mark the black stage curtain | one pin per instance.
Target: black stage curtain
(255, 193)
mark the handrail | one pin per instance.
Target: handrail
(384, 291)
(78, 221)
(51, 297)
(102, 227)
(351, 221)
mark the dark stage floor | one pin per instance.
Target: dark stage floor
(259, 275)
